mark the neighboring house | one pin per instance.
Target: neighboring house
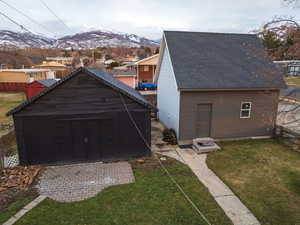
(67, 61)
(289, 67)
(86, 116)
(145, 69)
(128, 77)
(38, 86)
(60, 69)
(24, 75)
(216, 85)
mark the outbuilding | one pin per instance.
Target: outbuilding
(86, 116)
(216, 85)
(37, 86)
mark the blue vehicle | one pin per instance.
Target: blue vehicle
(146, 86)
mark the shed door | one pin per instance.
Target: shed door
(203, 120)
(86, 138)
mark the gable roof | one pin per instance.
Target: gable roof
(152, 60)
(47, 83)
(221, 61)
(103, 77)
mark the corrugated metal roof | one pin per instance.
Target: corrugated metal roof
(104, 77)
(221, 61)
(47, 83)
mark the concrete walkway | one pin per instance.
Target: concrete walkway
(228, 201)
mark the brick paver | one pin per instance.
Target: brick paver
(81, 181)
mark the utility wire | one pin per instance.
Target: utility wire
(54, 14)
(28, 17)
(162, 165)
(16, 23)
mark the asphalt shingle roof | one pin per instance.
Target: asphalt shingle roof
(104, 77)
(221, 61)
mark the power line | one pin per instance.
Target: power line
(54, 14)
(16, 23)
(28, 17)
(162, 165)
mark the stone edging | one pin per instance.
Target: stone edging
(26, 209)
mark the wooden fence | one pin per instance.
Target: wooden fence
(13, 87)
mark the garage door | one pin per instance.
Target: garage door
(71, 141)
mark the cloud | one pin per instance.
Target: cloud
(145, 18)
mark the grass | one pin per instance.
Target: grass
(265, 174)
(13, 209)
(8, 101)
(151, 200)
(294, 81)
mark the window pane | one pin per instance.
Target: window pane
(246, 105)
(245, 113)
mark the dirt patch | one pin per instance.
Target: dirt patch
(14, 194)
(20, 189)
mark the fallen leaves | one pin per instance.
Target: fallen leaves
(19, 177)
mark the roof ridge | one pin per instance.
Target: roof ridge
(90, 73)
(206, 32)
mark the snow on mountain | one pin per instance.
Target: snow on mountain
(86, 40)
(24, 40)
(94, 39)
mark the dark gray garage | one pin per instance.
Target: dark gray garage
(83, 117)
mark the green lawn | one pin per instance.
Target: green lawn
(151, 200)
(8, 101)
(265, 174)
(13, 209)
(294, 81)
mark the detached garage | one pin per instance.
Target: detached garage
(83, 117)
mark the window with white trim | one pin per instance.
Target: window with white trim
(245, 110)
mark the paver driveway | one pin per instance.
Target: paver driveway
(80, 181)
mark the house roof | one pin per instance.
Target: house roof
(25, 70)
(152, 60)
(122, 72)
(49, 64)
(103, 77)
(221, 61)
(46, 83)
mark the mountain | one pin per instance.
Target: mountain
(12, 39)
(85, 40)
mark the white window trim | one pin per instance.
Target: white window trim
(241, 110)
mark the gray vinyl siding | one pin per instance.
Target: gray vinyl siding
(168, 96)
(225, 119)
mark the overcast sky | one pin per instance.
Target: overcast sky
(146, 18)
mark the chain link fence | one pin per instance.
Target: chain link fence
(8, 151)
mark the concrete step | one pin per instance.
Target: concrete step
(198, 148)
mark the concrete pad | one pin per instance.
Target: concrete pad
(77, 182)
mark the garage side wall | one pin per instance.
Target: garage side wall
(225, 116)
(168, 96)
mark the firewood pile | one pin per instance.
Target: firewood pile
(19, 177)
